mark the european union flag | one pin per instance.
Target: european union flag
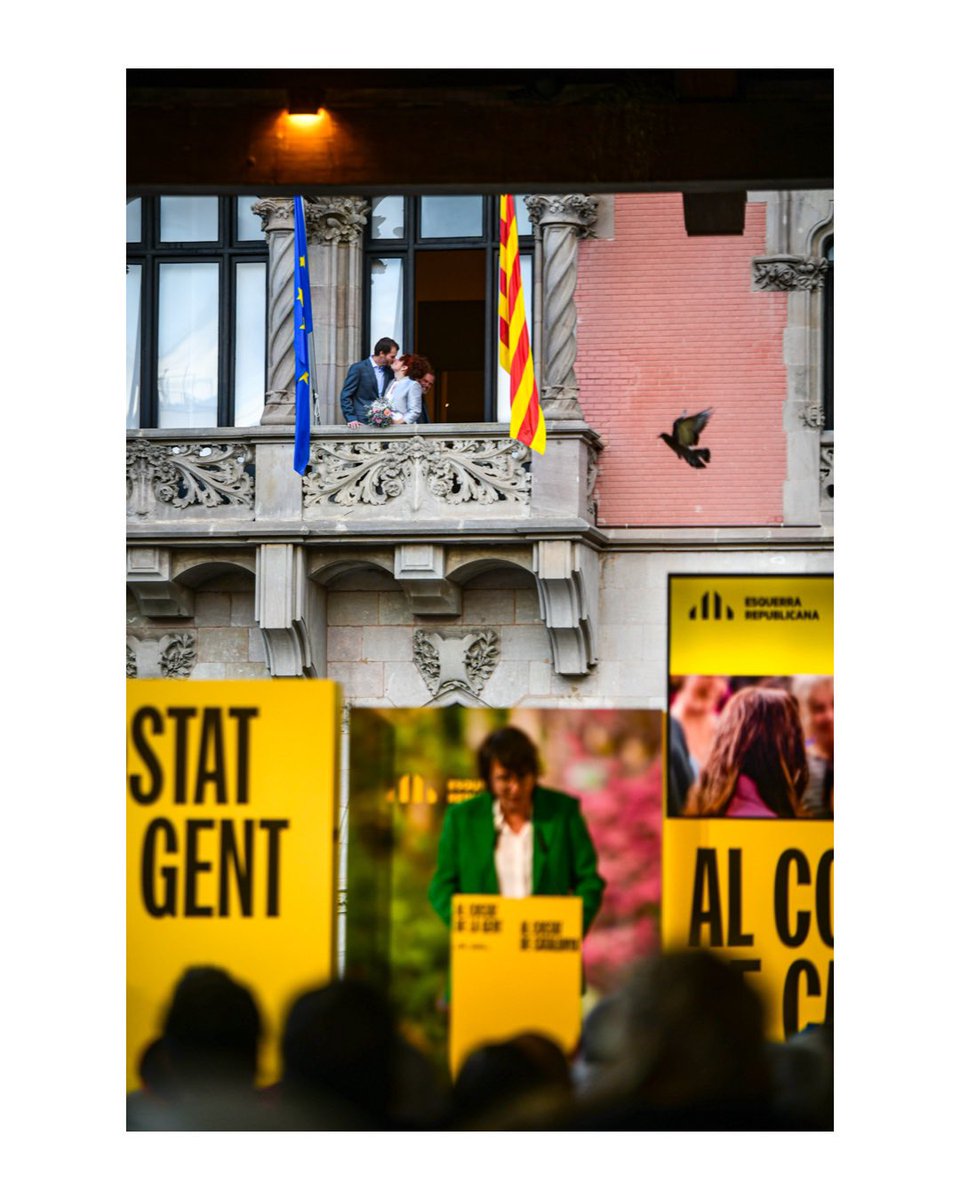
(302, 328)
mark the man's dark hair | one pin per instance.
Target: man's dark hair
(384, 346)
(512, 749)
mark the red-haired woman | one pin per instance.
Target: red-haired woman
(404, 395)
(758, 765)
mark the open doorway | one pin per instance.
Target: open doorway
(450, 330)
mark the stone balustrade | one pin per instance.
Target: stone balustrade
(436, 478)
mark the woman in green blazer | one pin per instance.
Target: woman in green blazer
(564, 859)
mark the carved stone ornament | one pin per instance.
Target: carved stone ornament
(178, 655)
(336, 219)
(181, 475)
(275, 213)
(172, 656)
(456, 659)
(789, 273)
(593, 473)
(811, 415)
(575, 209)
(826, 474)
(484, 471)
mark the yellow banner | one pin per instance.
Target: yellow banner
(751, 624)
(231, 791)
(761, 893)
(515, 968)
(758, 890)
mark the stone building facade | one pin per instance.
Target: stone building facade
(443, 563)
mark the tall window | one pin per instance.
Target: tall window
(196, 312)
(432, 285)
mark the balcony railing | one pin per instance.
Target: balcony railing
(450, 476)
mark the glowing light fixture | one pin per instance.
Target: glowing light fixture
(305, 105)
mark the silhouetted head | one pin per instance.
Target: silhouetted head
(498, 1080)
(690, 1032)
(211, 1031)
(338, 1042)
(154, 1069)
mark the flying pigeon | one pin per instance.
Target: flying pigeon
(686, 434)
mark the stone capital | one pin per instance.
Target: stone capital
(275, 213)
(577, 210)
(336, 220)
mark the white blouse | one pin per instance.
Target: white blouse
(513, 856)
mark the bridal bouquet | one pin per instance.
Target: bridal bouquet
(380, 414)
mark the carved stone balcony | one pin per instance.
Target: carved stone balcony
(431, 507)
(438, 480)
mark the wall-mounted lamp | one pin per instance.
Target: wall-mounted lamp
(305, 103)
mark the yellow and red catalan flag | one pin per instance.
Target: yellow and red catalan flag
(526, 418)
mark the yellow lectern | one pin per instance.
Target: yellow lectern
(515, 968)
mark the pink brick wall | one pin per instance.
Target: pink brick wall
(668, 322)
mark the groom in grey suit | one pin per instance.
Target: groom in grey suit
(366, 381)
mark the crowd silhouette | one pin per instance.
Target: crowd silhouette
(679, 1047)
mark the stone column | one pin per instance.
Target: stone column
(797, 224)
(335, 237)
(560, 221)
(276, 216)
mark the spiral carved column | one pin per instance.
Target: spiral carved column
(334, 234)
(560, 222)
(276, 217)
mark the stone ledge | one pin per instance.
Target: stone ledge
(759, 537)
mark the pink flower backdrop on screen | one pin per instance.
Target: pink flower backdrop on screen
(611, 760)
(626, 822)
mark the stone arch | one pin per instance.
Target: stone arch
(163, 581)
(193, 571)
(334, 567)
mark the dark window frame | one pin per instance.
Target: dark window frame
(226, 252)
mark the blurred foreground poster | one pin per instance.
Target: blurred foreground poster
(408, 765)
(748, 790)
(231, 792)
